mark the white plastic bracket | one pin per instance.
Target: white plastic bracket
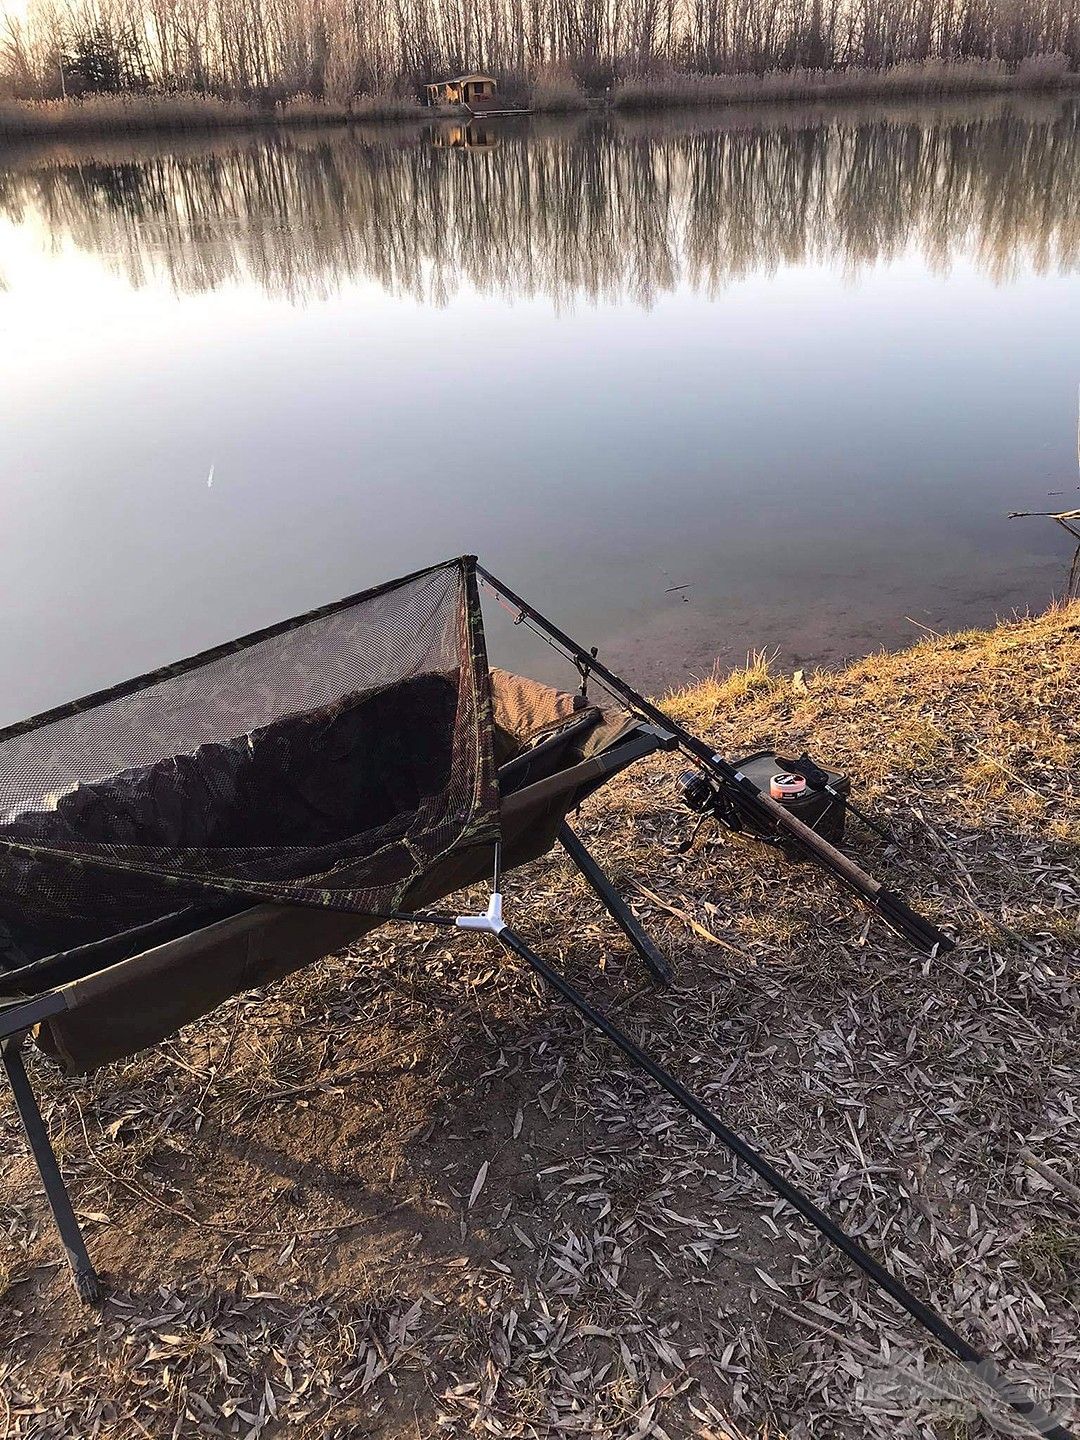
(490, 923)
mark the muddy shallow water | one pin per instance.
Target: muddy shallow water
(694, 383)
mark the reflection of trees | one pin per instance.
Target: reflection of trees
(578, 209)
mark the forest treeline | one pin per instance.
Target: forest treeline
(270, 50)
(575, 208)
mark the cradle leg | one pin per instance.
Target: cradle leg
(82, 1271)
(615, 905)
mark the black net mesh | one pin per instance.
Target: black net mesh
(330, 760)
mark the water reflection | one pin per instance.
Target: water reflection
(576, 209)
(476, 135)
(742, 408)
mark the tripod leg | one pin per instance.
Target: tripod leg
(979, 1366)
(82, 1271)
(615, 905)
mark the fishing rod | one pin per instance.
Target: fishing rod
(748, 798)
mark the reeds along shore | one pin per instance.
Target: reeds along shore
(908, 80)
(125, 114)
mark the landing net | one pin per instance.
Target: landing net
(332, 759)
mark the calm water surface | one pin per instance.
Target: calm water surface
(800, 364)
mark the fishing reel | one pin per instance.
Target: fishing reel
(818, 797)
(709, 800)
(707, 797)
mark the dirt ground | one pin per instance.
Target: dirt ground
(406, 1194)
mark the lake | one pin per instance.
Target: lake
(693, 383)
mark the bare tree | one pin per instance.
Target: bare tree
(271, 49)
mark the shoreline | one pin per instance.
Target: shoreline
(436, 1142)
(183, 114)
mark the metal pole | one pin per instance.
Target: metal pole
(615, 905)
(980, 1367)
(82, 1271)
(767, 810)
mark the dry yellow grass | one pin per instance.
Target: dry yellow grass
(974, 709)
(286, 1196)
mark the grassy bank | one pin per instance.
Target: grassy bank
(550, 94)
(405, 1195)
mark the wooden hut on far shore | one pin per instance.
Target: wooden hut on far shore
(473, 91)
